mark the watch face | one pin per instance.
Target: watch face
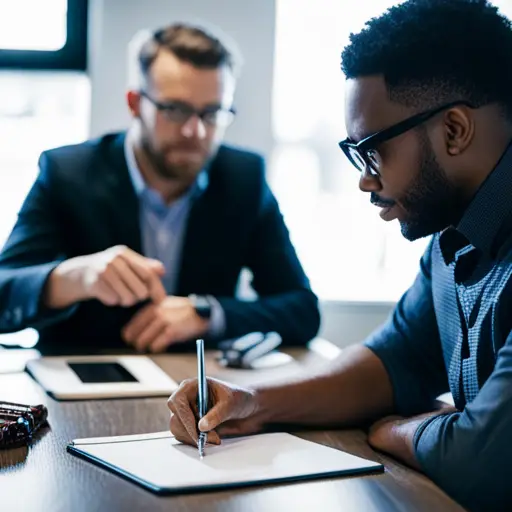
(203, 307)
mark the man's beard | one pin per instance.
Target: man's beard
(432, 203)
(167, 170)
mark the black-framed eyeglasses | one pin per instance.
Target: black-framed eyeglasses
(364, 155)
(180, 112)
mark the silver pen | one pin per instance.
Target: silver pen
(202, 386)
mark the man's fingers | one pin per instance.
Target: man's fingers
(131, 279)
(149, 271)
(156, 265)
(213, 437)
(149, 333)
(115, 282)
(218, 414)
(106, 295)
(180, 432)
(157, 291)
(137, 263)
(148, 263)
(181, 407)
(142, 265)
(163, 340)
(138, 323)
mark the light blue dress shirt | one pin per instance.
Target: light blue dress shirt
(163, 229)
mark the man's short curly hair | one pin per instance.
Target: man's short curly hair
(436, 51)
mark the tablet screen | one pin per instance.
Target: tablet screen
(102, 372)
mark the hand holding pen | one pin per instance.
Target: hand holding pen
(233, 410)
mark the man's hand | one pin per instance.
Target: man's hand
(117, 277)
(233, 412)
(156, 326)
(394, 435)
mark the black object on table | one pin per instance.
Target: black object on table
(18, 423)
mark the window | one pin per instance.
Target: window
(348, 252)
(38, 111)
(49, 34)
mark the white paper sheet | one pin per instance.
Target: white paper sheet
(162, 463)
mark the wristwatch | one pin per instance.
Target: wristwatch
(202, 305)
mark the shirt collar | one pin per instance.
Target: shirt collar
(452, 243)
(491, 208)
(140, 186)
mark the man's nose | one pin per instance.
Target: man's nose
(194, 128)
(369, 183)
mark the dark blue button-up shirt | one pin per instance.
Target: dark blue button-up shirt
(452, 331)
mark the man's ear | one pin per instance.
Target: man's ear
(133, 101)
(459, 127)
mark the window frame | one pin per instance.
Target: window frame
(71, 57)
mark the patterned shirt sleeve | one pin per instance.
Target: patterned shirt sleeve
(410, 347)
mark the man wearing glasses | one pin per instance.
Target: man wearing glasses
(429, 119)
(139, 238)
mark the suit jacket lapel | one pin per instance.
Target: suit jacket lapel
(199, 243)
(121, 205)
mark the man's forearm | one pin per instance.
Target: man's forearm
(354, 388)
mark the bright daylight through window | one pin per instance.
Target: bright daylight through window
(33, 24)
(38, 110)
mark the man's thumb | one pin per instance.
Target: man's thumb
(216, 415)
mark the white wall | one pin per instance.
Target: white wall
(346, 323)
(251, 24)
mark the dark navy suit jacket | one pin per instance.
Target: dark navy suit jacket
(83, 202)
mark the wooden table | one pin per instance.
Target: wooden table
(45, 478)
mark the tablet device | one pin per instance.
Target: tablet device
(94, 377)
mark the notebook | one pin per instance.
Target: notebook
(163, 465)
